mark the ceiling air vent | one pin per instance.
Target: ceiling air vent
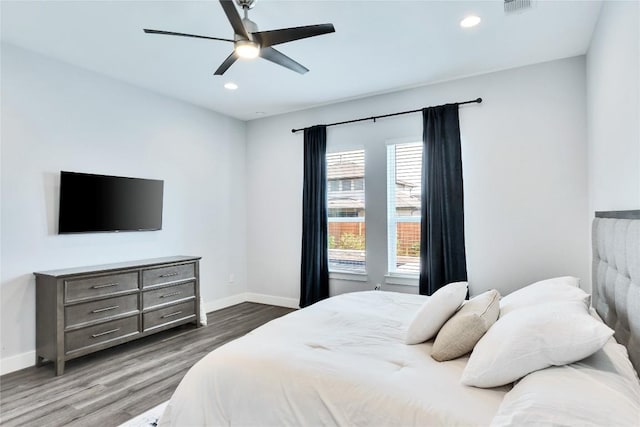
(511, 6)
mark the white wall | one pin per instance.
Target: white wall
(613, 89)
(60, 117)
(525, 175)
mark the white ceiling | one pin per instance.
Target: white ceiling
(378, 46)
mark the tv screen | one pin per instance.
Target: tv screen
(93, 203)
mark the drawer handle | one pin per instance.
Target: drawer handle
(106, 285)
(172, 294)
(105, 333)
(100, 310)
(171, 314)
(169, 274)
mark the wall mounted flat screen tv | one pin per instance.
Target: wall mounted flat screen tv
(95, 203)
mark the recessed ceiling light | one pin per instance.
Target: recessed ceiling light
(470, 21)
(230, 86)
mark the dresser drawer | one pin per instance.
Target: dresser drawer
(102, 309)
(173, 313)
(168, 294)
(98, 334)
(98, 286)
(157, 276)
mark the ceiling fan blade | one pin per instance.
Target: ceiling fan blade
(170, 33)
(277, 57)
(226, 64)
(234, 18)
(283, 35)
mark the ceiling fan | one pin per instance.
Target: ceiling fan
(250, 43)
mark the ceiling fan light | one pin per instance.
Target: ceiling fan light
(247, 49)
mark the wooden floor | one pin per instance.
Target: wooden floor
(112, 386)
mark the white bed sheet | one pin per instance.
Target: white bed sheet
(341, 361)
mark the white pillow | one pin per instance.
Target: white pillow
(534, 338)
(435, 312)
(601, 390)
(550, 290)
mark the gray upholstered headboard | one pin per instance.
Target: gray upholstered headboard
(616, 276)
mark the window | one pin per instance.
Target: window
(358, 184)
(346, 211)
(404, 172)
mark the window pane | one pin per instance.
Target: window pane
(345, 173)
(408, 169)
(407, 247)
(404, 171)
(358, 184)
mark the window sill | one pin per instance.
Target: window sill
(401, 279)
(349, 276)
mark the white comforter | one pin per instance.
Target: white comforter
(341, 361)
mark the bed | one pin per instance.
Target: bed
(343, 361)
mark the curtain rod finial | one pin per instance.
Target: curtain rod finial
(479, 100)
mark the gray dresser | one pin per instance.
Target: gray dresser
(86, 309)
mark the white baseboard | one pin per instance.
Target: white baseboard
(25, 360)
(17, 362)
(225, 302)
(249, 297)
(272, 300)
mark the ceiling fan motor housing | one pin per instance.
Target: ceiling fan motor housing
(250, 26)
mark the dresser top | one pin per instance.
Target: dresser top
(116, 266)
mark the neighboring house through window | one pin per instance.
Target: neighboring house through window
(346, 203)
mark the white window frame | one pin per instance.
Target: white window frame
(392, 218)
(376, 216)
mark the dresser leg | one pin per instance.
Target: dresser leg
(59, 367)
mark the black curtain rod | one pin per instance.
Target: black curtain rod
(374, 118)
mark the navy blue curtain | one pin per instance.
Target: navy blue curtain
(442, 252)
(314, 273)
